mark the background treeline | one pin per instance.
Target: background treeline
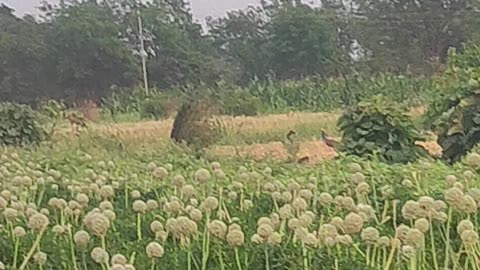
(286, 54)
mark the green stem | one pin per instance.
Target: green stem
(367, 257)
(471, 256)
(357, 249)
(373, 261)
(104, 243)
(305, 257)
(12, 235)
(267, 260)
(220, 258)
(384, 256)
(40, 197)
(32, 249)
(189, 260)
(15, 255)
(237, 259)
(394, 214)
(139, 227)
(62, 218)
(72, 248)
(246, 260)
(413, 263)
(447, 238)
(84, 261)
(126, 196)
(205, 243)
(390, 259)
(432, 244)
(153, 264)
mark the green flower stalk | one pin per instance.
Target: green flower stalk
(267, 259)
(15, 254)
(153, 265)
(34, 247)
(432, 246)
(139, 227)
(367, 257)
(205, 242)
(305, 257)
(126, 196)
(447, 237)
(189, 259)
(72, 248)
(220, 259)
(237, 259)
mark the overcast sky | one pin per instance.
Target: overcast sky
(201, 8)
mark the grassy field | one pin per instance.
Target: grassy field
(121, 196)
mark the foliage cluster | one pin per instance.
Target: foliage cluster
(455, 113)
(81, 49)
(379, 128)
(158, 107)
(316, 94)
(19, 125)
(308, 94)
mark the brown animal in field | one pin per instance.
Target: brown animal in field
(329, 141)
(294, 151)
(77, 122)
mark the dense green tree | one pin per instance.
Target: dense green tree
(412, 36)
(242, 40)
(302, 42)
(90, 55)
(284, 38)
(177, 51)
(24, 56)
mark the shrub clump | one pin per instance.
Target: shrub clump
(157, 106)
(241, 103)
(455, 115)
(380, 128)
(195, 123)
(19, 125)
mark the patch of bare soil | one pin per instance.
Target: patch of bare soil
(313, 152)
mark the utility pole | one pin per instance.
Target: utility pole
(143, 53)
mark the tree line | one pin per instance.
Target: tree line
(82, 50)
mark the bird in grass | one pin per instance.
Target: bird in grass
(329, 141)
(293, 148)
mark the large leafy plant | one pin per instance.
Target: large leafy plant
(381, 128)
(19, 125)
(455, 115)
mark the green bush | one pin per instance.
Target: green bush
(19, 125)
(51, 110)
(124, 101)
(379, 128)
(455, 114)
(241, 102)
(157, 106)
(468, 58)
